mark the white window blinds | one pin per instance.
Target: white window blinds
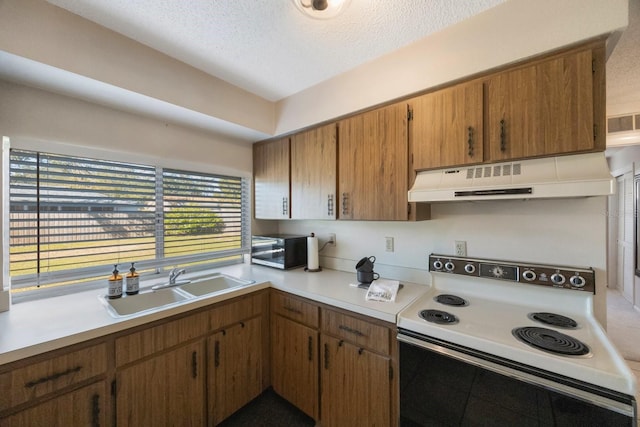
(72, 218)
(203, 214)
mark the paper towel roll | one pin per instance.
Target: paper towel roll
(312, 253)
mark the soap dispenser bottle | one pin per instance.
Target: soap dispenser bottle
(132, 281)
(115, 284)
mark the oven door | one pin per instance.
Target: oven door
(442, 384)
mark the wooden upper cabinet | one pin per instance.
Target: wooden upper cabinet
(271, 164)
(546, 108)
(373, 165)
(313, 173)
(446, 127)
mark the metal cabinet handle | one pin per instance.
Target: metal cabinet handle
(360, 350)
(345, 199)
(52, 377)
(216, 354)
(285, 206)
(293, 310)
(351, 330)
(95, 410)
(194, 364)
(326, 356)
(310, 348)
(470, 140)
(330, 205)
(503, 136)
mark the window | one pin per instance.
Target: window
(72, 219)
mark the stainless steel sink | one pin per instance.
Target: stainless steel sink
(135, 304)
(213, 284)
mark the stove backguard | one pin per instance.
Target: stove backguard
(573, 278)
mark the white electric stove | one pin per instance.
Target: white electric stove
(528, 322)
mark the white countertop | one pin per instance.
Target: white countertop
(35, 327)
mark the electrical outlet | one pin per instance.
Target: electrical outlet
(389, 244)
(332, 239)
(461, 248)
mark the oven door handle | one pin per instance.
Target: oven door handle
(610, 404)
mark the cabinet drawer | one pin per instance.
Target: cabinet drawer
(157, 338)
(357, 331)
(83, 407)
(295, 309)
(41, 378)
(240, 308)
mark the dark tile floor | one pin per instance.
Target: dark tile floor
(268, 410)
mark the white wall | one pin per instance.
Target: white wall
(34, 118)
(564, 232)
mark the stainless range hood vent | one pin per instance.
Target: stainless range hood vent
(578, 175)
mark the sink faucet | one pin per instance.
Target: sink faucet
(173, 275)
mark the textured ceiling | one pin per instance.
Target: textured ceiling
(623, 68)
(268, 47)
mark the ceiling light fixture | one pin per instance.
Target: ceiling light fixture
(321, 9)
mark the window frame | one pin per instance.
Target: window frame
(147, 268)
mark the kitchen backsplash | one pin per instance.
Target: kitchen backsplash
(565, 232)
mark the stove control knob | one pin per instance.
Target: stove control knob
(449, 266)
(529, 275)
(577, 281)
(437, 264)
(470, 268)
(557, 278)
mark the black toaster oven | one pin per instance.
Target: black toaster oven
(283, 251)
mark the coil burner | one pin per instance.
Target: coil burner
(551, 341)
(438, 316)
(448, 299)
(553, 319)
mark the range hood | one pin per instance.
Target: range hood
(579, 175)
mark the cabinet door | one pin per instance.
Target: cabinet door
(373, 165)
(355, 384)
(313, 173)
(235, 373)
(166, 390)
(83, 407)
(294, 359)
(543, 109)
(271, 179)
(446, 128)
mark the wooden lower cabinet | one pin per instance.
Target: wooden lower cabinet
(198, 369)
(65, 387)
(334, 365)
(83, 407)
(235, 368)
(165, 390)
(356, 385)
(294, 358)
